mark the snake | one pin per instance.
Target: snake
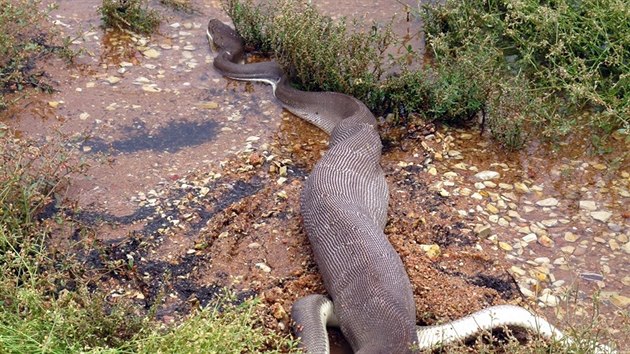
(344, 210)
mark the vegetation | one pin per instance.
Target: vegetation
(22, 43)
(519, 64)
(49, 302)
(179, 5)
(570, 55)
(132, 15)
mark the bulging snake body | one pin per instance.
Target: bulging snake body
(344, 207)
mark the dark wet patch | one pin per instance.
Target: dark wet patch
(446, 236)
(171, 138)
(505, 285)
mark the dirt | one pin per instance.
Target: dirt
(193, 182)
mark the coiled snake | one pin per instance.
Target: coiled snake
(344, 207)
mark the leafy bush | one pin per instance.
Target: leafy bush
(577, 51)
(133, 15)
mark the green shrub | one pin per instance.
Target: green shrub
(22, 42)
(133, 15)
(576, 51)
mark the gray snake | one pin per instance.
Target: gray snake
(344, 207)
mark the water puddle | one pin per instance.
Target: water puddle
(195, 175)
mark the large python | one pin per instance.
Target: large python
(344, 207)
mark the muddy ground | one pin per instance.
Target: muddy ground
(192, 185)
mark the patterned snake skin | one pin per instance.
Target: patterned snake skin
(344, 206)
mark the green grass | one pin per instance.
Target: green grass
(574, 56)
(23, 40)
(132, 15)
(48, 301)
(522, 67)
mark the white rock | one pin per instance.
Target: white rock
(602, 216)
(549, 202)
(486, 175)
(588, 205)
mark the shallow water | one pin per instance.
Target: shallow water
(147, 112)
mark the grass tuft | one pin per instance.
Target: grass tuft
(132, 15)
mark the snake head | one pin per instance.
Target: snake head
(223, 36)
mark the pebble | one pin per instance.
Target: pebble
(530, 238)
(626, 247)
(491, 208)
(482, 231)
(254, 245)
(505, 246)
(151, 53)
(570, 237)
(588, 205)
(506, 186)
(550, 222)
(521, 187)
(549, 202)
(620, 300)
(568, 249)
(486, 175)
(546, 241)
(262, 266)
(549, 300)
(602, 216)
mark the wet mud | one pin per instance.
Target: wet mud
(192, 185)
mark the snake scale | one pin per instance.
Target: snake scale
(344, 207)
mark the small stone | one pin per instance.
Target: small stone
(84, 116)
(278, 311)
(530, 238)
(505, 246)
(549, 300)
(549, 202)
(602, 216)
(254, 245)
(113, 79)
(570, 237)
(151, 88)
(521, 187)
(599, 166)
(506, 186)
(486, 175)
(546, 241)
(432, 171)
(518, 271)
(489, 184)
(568, 249)
(476, 196)
(550, 222)
(620, 300)
(432, 251)
(614, 246)
(151, 53)
(262, 266)
(491, 208)
(444, 193)
(503, 222)
(626, 247)
(588, 205)
(480, 185)
(482, 231)
(209, 105)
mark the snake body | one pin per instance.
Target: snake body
(344, 207)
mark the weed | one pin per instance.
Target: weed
(179, 5)
(220, 328)
(22, 43)
(574, 54)
(132, 15)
